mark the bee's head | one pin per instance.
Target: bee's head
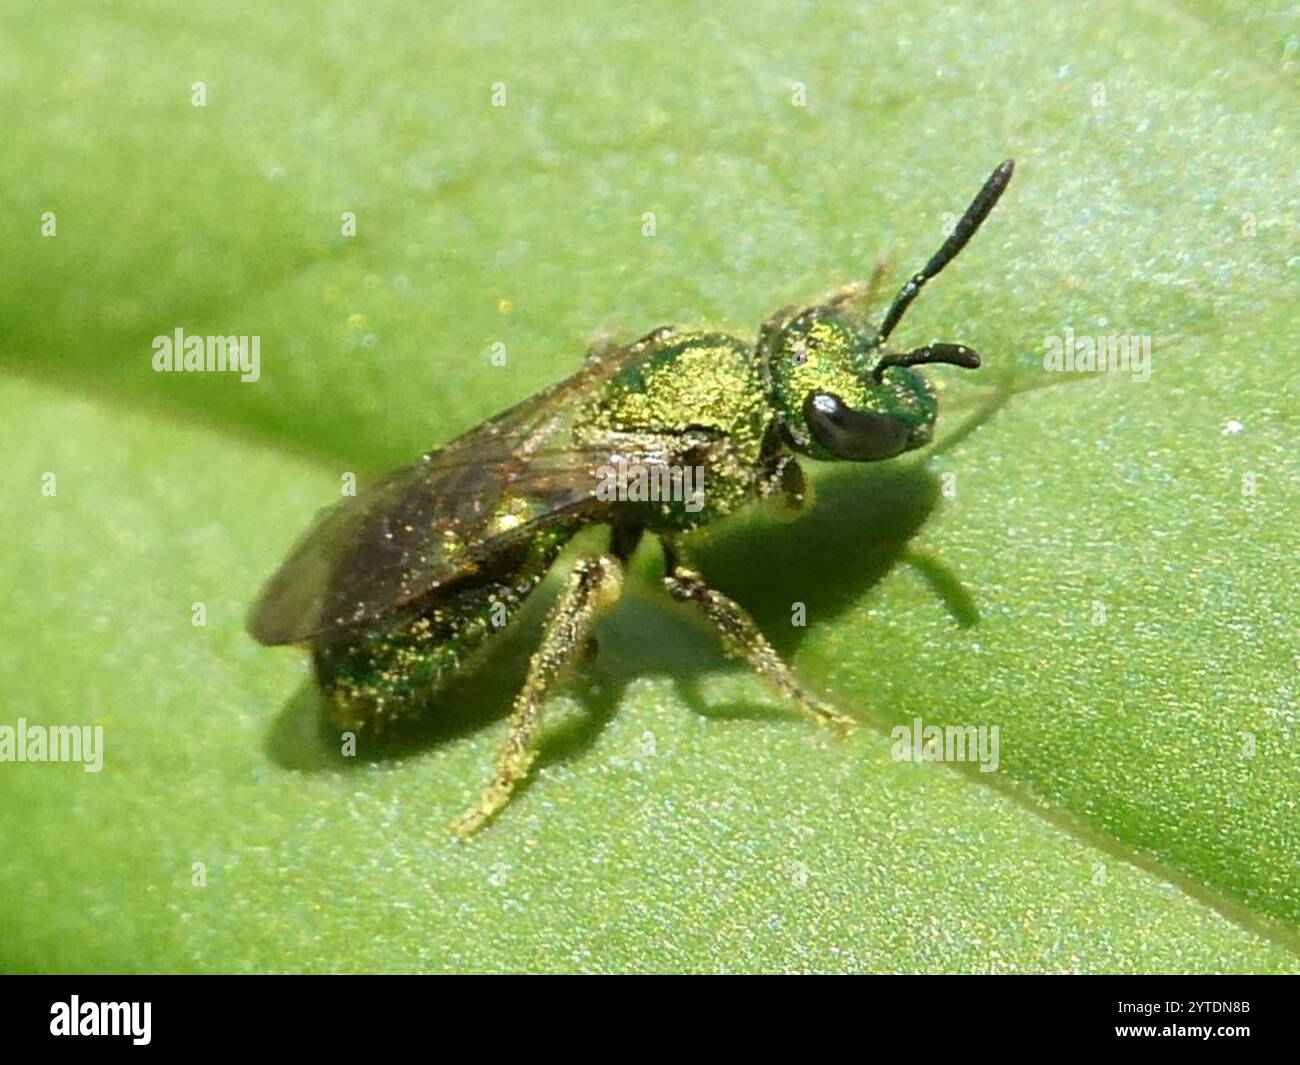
(837, 396)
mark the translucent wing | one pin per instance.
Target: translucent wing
(444, 518)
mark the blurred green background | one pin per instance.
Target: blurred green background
(1144, 816)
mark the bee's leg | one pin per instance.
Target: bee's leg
(742, 639)
(861, 291)
(784, 477)
(594, 582)
(856, 292)
(771, 328)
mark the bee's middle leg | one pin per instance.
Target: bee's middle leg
(742, 638)
(594, 582)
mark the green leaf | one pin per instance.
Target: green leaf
(1097, 565)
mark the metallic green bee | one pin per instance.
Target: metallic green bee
(395, 588)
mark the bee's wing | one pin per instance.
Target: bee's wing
(440, 519)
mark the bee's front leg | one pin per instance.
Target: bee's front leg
(742, 638)
(860, 292)
(594, 582)
(783, 478)
(855, 294)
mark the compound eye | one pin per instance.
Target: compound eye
(855, 435)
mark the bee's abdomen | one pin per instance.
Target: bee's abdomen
(374, 675)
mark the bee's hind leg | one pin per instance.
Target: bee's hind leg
(594, 582)
(742, 638)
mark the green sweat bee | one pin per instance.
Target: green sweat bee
(393, 589)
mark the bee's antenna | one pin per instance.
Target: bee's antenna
(952, 354)
(966, 226)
